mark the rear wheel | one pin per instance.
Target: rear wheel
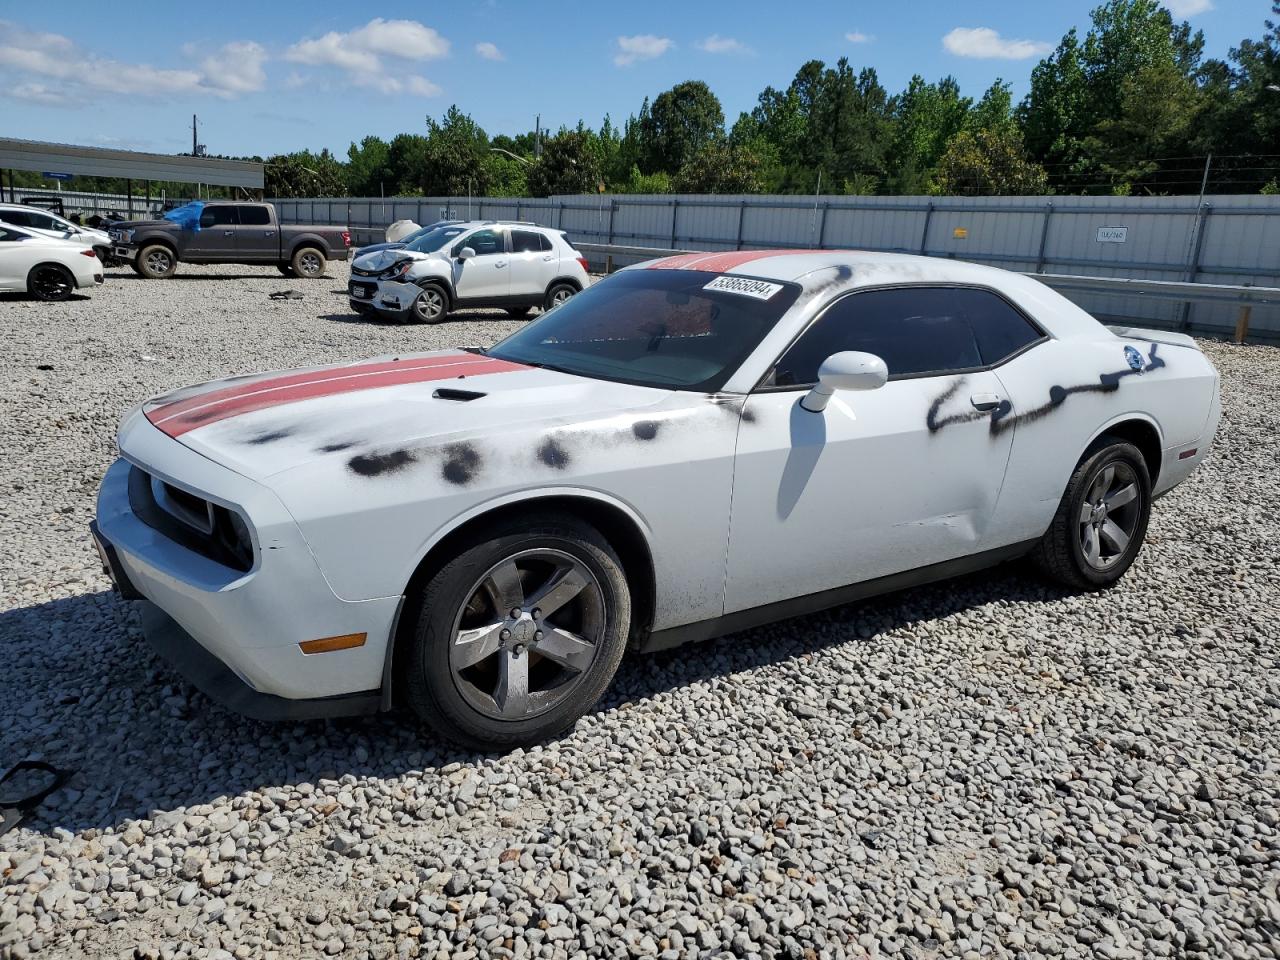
(156, 262)
(50, 282)
(1102, 520)
(520, 635)
(308, 262)
(431, 306)
(557, 294)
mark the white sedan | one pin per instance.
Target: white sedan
(46, 268)
(690, 447)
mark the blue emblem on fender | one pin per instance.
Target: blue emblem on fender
(1134, 358)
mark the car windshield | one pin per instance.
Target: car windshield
(677, 329)
(433, 240)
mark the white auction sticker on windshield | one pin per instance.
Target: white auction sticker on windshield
(760, 289)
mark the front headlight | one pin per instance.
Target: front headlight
(396, 270)
(127, 235)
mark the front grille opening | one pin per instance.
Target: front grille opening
(213, 531)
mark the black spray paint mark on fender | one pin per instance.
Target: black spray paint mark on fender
(462, 462)
(553, 454)
(381, 464)
(646, 429)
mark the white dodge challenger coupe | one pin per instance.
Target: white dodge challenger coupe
(690, 447)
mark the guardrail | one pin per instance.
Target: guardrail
(1169, 290)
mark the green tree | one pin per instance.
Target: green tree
(927, 116)
(455, 161)
(681, 121)
(369, 168)
(406, 157)
(720, 167)
(989, 161)
(305, 174)
(571, 162)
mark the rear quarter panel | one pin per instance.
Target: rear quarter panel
(1066, 393)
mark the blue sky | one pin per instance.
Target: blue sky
(272, 77)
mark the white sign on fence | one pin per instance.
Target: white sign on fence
(1113, 234)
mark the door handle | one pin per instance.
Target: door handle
(547, 258)
(985, 401)
(270, 233)
(500, 264)
(228, 233)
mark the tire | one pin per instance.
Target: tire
(308, 263)
(458, 688)
(1087, 547)
(557, 294)
(518, 313)
(50, 282)
(156, 262)
(286, 269)
(431, 305)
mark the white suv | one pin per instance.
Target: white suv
(516, 266)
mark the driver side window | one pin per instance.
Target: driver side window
(483, 242)
(916, 331)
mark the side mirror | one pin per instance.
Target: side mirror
(849, 370)
(466, 253)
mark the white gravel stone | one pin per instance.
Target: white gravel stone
(983, 768)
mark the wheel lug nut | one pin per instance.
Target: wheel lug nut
(515, 612)
(537, 614)
(505, 635)
(537, 635)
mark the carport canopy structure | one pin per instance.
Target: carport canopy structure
(63, 159)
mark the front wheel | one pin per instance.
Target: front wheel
(558, 294)
(431, 305)
(156, 262)
(1102, 519)
(520, 634)
(308, 262)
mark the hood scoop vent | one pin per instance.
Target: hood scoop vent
(462, 396)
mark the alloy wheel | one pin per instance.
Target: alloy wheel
(50, 283)
(430, 304)
(310, 264)
(159, 261)
(1109, 515)
(528, 633)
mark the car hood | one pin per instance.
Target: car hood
(353, 414)
(379, 260)
(377, 248)
(138, 224)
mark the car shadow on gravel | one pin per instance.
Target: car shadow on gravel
(84, 692)
(377, 320)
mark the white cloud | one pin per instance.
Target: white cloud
(33, 57)
(643, 46)
(360, 52)
(1188, 8)
(489, 51)
(857, 36)
(718, 44)
(983, 43)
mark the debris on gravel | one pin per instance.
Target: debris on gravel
(988, 767)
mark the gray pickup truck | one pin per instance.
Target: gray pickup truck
(224, 232)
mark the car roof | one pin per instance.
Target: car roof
(826, 271)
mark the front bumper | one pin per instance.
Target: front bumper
(383, 297)
(249, 622)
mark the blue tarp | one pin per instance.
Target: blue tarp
(187, 216)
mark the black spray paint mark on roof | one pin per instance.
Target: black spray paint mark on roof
(843, 273)
(645, 429)
(553, 454)
(1058, 394)
(462, 462)
(381, 464)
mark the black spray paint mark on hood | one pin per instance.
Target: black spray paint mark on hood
(336, 447)
(645, 429)
(269, 436)
(381, 464)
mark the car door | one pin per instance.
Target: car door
(882, 481)
(486, 276)
(216, 239)
(257, 237)
(533, 264)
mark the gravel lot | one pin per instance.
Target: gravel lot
(988, 767)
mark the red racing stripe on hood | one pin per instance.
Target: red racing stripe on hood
(718, 262)
(181, 416)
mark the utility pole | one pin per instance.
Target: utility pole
(197, 148)
(537, 137)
